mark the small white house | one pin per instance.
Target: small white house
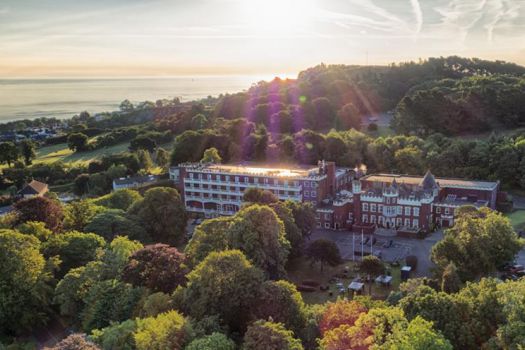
(134, 182)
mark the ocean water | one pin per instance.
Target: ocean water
(63, 98)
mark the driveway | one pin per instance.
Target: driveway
(351, 248)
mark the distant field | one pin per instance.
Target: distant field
(61, 152)
(517, 219)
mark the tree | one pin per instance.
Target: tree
(419, 335)
(126, 106)
(341, 312)
(117, 336)
(144, 143)
(477, 244)
(208, 237)
(158, 267)
(199, 121)
(259, 233)
(372, 266)
(144, 159)
(447, 315)
(111, 223)
(81, 185)
(74, 249)
(259, 196)
(35, 228)
(348, 117)
(292, 232)
(165, 331)
(225, 284)
(304, 216)
(263, 335)
(109, 301)
(450, 281)
(8, 153)
(162, 157)
(41, 209)
(324, 251)
(162, 213)
(214, 341)
(280, 301)
(75, 341)
(71, 290)
(78, 214)
(211, 155)
(27, 149)
(77, 142)
(119, 199)
(23, 276)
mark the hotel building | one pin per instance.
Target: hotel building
(344, 198)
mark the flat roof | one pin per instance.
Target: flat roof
(287, 172)
(443, 182)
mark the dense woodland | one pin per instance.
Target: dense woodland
(118, 271)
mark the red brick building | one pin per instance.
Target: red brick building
(343, 197)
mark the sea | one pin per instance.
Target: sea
(63, 98)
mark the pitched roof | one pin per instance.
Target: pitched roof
(428, 182)
(34, 188)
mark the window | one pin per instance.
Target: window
(236, 179)
(407, 222)
(438, 210)
(415, 223)
(296, 183)
(380, 208)
(399, 221)
(373, 208)
(365, 219)
(306, 184)
(286, 182)
(306, 193)
(399, 210)
(372, 219)
(191, 175)
(327, 216)
(416, 211)
(318, 215)
(407, 211)
(393, 201)
(365, 206)
(266, 180)
(209, 176)
(227, 178)
(319, 224)
(387, 200)
(447, 211)
(326, 225)
(314, 194)
(246, 179)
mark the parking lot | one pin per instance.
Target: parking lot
(351, 248)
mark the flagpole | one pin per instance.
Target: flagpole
(353, 246)
(362, 245)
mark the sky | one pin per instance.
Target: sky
(99, 38)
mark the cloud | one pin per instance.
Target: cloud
(4, 11)
(418, 13)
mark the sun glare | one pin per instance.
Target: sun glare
(278, 16)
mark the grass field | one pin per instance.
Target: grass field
(60, 152)
(300, 270)
(517, 219)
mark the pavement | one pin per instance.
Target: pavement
(400, 248)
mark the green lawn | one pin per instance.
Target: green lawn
(517, 219)
(300, 270)
(60, 152)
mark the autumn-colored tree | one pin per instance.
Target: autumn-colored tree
(158, 267)
(41, 209)
(341, 312)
